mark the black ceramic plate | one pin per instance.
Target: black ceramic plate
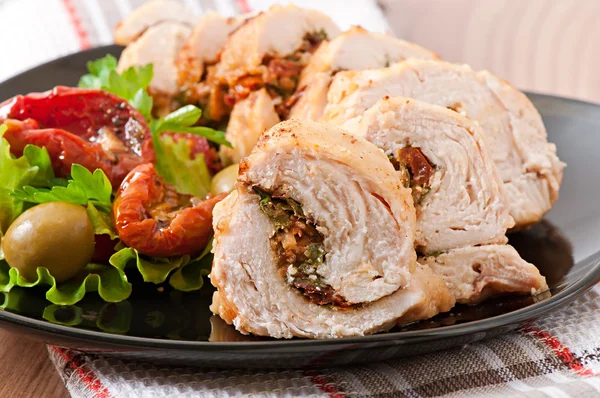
(178, 327)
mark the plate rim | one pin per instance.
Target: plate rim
(519, 316)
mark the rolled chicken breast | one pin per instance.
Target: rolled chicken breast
(359, 49)
(317, 240)
(517, 139)
(270, 50)
(442, 156)
(159, 45)
(199, 54)
(149, 14)
(355, 49)
(249, 119)
(476, 273)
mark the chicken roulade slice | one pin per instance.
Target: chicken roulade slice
(513, 129)
(317, 240)
(159, 45)
(355, 49)
(149, 14)
(249, 119)
(476, 273)
(270, 50)
(199, 55)
(443, 158)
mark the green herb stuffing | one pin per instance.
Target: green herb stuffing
(279, 211)
(319, 35)
(299, 248)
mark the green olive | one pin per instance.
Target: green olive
(224, 180)
(56, 235)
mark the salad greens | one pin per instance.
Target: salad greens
(174, 160)
(189, 271)
(130, 85)
(187, 173)
(109, 281)
(30, 180)
(14, 174)
(84, 187)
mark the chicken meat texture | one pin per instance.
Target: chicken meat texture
(474, 274)
(159, 45)
(278, 32)
(355, 49)
(462, 215)
(150, 14)
(441, 155)
(249, 119)
(345, 186)
(513, 129)
(203, 46)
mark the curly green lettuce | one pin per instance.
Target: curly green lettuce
(183, 273)
(109, 281)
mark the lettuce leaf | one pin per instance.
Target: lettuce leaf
(183, 119)
(179, 168)
(102, 221)
(153, 269)
(188, 272)
(39, 157)
(190, 276)
(109, 281)
(14, 173)
(84, 187)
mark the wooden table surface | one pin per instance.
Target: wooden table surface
(27, 370)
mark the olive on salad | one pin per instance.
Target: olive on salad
(224, 180)
(55, 235)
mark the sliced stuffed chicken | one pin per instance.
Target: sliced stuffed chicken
(270, 50)
(356, 49)
(476, 273)
(150, 14)
(443, 158)
(199, 55)
(317, 240)
(159, 45)
(249, 119)
(516, 136)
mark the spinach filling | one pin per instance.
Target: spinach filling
(299, 249)
(415, 171)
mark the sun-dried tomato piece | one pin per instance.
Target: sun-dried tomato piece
(90, 127)
(151, 217)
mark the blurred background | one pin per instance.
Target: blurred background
(549, 46)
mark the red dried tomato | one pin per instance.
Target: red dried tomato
(93, 128)
(151, 217)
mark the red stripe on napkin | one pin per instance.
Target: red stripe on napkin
(82, 36)
(86, 376)
(561, 351)
(320, 382)
(244, 6)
